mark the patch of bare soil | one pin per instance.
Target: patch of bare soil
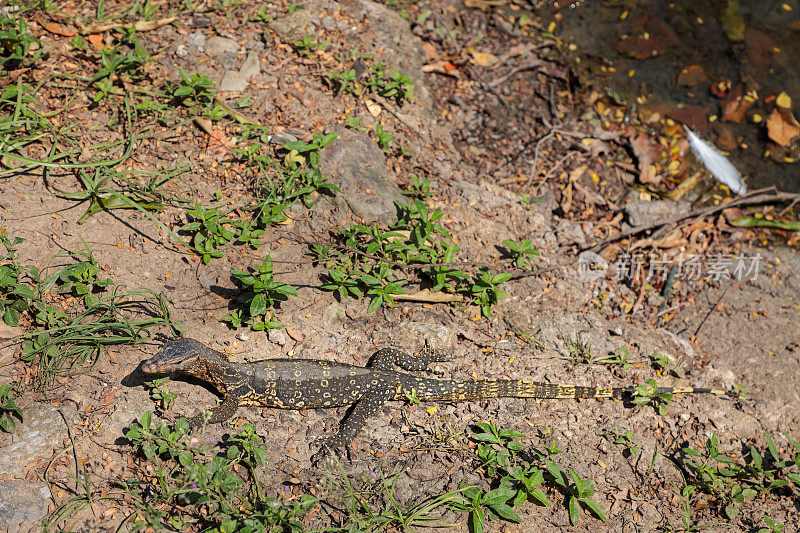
(505, 132)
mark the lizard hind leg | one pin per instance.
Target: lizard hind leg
(368, 405)
(384, 359)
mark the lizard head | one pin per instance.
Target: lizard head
(180, 354)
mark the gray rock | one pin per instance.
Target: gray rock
(277, 336)
(41, 431)
(642, 213)
(22, 504)
(333, 315)
(197, 40)
(570, 233)
(439, 337)
(224, 50)
(328, 22)
(358, 167)
(236, 80)
(218, 46)
(281, 137)
(293, 25)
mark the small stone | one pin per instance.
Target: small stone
(643, 213)
(242, 336)
(277, 336)
(198, 40)
(281, 137)
(23, 504)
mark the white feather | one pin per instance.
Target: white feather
(716, 163)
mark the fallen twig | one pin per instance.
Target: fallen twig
(140, 25)
(760, 196)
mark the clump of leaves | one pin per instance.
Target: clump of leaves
(16, 44)
(373, 78)
(518, 474)
(203, 484)
(521, 253)
(15, 296)
(735, 480)
(260, 295)
(372, 264)
(649, 394)
(8, 408)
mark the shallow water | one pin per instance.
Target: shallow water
(757, 48)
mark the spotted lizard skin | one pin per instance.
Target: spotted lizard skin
(308, 383)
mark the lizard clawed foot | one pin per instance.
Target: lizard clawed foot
(327, 447)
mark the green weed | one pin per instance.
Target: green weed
(17, 45)
(372, 264)
(15, 296)
(736, 481)
(521, 253)
(8, 408)
(648, 394)
(159, 393)
(260, 294)
(420, 188)
(204, 485)
(518, 475)
(388, 83)
(308, 47)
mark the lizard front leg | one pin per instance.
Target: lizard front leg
(221, 413)
(369, 404)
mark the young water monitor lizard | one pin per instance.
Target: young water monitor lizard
(308, 383)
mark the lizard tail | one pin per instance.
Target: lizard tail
(458, 390)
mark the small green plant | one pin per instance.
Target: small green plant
(419, 188)
(260, 294)
(192, 90)
(261, 15)
(354, 123)
(116, 62)
(485, 289)
(370, 504)
(648, 394)
(375, 79)
(580, 492)
(579, 351)
(204, 484)
(308, 47)
(210, 230)
(144, 11)
(8, 408)
(81, 279)
(15, 296)
(372, 264)
(521, 253)
(619, 358)
(17, 44)
(662, 363)
(384, 138)
(518, 475)
(738, 481)
(625, 438)
(159, 392)
(772, 526)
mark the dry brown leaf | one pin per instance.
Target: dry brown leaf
(59, 29)
(782, 127)
(483, 59)
(96, 39)
(297, 335)
(441, 66)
